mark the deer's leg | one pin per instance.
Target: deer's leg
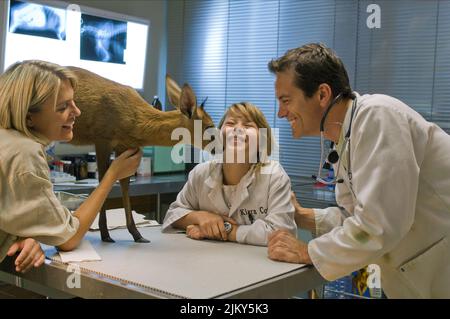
(124, 184)
(103, 152)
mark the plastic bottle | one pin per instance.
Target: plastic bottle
(92, 165)
(156, 103)
(83, 169)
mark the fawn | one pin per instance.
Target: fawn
(114, 117)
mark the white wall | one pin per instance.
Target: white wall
(3, 16)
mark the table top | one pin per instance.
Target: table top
(174, 266)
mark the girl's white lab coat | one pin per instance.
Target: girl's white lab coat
(265, 194)
(397, 212)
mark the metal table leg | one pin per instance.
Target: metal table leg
(158, 207)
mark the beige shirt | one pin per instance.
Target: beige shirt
(28, 206)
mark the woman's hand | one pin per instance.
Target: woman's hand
(30, 255)
(126, 164)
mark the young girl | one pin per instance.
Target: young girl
(241, 199)
(36, 108)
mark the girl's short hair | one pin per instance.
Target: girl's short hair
(252, 113)
(25, 87)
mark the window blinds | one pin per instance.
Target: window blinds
(226, 46)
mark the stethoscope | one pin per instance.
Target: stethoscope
(333, 156)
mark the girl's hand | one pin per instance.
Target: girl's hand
(211, 225)
(193, 231)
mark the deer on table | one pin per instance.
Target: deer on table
(114, 117)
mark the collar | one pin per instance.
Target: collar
(215, 174)
(215, 182)
(215, 177)
(348, 118)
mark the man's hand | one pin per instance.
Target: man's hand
(304, 217)
(30, 255)
(283, 246)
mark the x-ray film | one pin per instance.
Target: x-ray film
(37, 20)
(103, 40)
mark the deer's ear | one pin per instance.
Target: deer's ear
(188, 101)
(173, 91)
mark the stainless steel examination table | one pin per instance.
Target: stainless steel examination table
(171, 266)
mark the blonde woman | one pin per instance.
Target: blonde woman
(237, 200)
(36, 108)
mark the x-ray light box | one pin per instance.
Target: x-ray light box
(103, 42)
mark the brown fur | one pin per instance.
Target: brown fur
(115, 117)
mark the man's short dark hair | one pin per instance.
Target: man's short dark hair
(314, 64)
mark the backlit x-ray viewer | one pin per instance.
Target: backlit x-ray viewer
(109, 44)
(37, 20)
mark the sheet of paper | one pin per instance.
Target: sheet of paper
(116, 219)
(84, 252)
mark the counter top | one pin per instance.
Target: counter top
(156, 184)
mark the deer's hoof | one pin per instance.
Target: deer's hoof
(142, 240)
(108, 240)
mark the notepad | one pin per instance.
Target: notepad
(84, 252)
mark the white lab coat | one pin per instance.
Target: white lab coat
(265, 194)
(398, 215)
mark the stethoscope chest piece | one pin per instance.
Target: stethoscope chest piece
(333, 157)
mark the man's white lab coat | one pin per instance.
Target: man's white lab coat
(398, 208)
(264, 194)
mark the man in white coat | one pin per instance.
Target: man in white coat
(393, 185)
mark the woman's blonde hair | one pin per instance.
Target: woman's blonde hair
(253, 114)
(25, 87)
